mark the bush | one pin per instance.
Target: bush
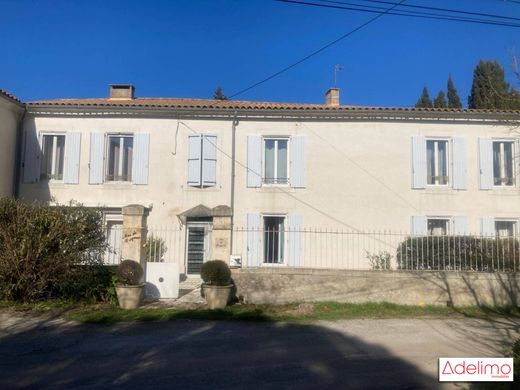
(129, 273)
(154, 249)
(45, 251)
(379, 261)
(216, 273)
(461, 253)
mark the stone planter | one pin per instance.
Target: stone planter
(217, 297)
(129, 297)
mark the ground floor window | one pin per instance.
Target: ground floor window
(438, 226)
(274, 240)
(505, 228)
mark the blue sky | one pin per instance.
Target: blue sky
(185, 48)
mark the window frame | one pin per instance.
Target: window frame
(107, 157)
(284, 241)
(513, 143)
(276, 138)
(510, 220)
(449, 223)
(53, 134)
(449, 149)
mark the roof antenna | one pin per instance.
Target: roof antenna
(337, 68)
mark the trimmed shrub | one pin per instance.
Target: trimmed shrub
(45, 251)
(460, 253)
(216, 273)
(129, 273)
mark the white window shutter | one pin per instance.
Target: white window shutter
(140, 158)
(209, 160)
(418, 162)
(297, 172)
(71, 158)
(459, 163)
(32, 157)
(254, 161)
(419, 225)
(194, 160)
(97, 157)
(487, 227)
(295, 240)
(460, 226)
(485, 158)
(253, 240)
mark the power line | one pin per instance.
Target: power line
(379, 14)
(411, 14)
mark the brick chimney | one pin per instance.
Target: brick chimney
(122, 91)
(332, 97)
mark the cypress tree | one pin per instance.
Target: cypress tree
(219, 94)
(453, 96)
(424, 101)
(489, 89)
(440, 100)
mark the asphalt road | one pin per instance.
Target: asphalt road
(359, 354)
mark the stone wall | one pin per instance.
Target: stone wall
(283, 285)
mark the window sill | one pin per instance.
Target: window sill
(275, 189)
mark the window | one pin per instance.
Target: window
(437, 162)
(503, 172)
(274, 239)
(505, 228)
(438, 226)
(53, 151)
(275, 161)
(120, 151)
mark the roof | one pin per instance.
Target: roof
(9, 96)
(186, 103)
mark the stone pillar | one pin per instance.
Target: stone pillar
(221, 234)
(134, 234)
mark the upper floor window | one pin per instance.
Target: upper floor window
(438, 226)
(503, 167)
(119, 158)
(276, 161)
(437, 162)
(53, 152)
(202, 160)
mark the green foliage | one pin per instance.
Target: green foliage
(129, 273)
(440, 100)
(216, 272)
(154, 248)
(379, 261)
(48, 252)
(490, 90)
(424, 101)
(453, 96)
(219, 94)
(461, 253)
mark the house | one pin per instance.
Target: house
(278, 175)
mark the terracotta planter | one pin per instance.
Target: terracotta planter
(217, 297)
(129, 297)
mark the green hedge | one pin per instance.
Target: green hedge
(461, 253)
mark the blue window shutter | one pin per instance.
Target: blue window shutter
(194, 160)
(32, 157)
(97, 157)
(254, 161)
(418, 162)
(71, 158)
(140, 158)
(253, 240)
(459, 163)
(419, 225)
(487, 227)
(485, 158)
(460, 226)
(297, 172)
(209, 160)
(295, 240)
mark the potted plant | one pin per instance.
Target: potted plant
(130, 284)
(217, 283)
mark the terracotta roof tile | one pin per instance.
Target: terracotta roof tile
(8, 95)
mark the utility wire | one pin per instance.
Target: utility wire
(401, 13)
(379, 14)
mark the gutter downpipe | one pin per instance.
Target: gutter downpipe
(232, 200)
(18, 155)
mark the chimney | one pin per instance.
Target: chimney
(122, 91)
(332, 97)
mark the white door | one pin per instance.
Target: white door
(197, 246)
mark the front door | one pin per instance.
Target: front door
(198, 246)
